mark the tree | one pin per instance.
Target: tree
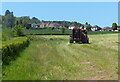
(8, 19)
(53, 28)
(18, 30)
(0, 19)
(76, 23)
(114, 26)
(7, 12)
(18, 21)
(34, 20)
(88, 27)
(86, 23)
(24, 20)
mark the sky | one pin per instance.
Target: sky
(60, 0)
(102, 14)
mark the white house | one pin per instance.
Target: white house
(96, 28)
(71, 27)
(93, 29)
(34, 25)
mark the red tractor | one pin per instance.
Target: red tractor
(79, 36)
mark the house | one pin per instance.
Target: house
(42, 25)
(96, 28)
(118, 28)
(71, 27)
(48, 24)
(34, 25)
(107, 29)
(56, 25)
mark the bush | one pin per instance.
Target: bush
(7, 34)
(18, 30)
(63, 29)
(53, 28)
(49, 28)
(11, 48)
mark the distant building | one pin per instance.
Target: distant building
(34, 25)
(96, 28)
(57, 25)
(118, 28)
(47, 24)
(71, 27)
(107, 29)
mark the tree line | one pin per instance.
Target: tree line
(9, 20)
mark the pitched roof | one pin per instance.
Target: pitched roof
(108, 28)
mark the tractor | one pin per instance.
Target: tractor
(79, 36)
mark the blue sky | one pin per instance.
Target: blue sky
(96, 13)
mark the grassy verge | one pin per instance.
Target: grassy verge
(56, 59)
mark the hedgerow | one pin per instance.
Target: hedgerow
(11, 48)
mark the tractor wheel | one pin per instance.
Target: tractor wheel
(77, 41)
(71, 40)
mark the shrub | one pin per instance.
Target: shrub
(7, 34)
(11, 48)
(53, 28)
(18, 30)
(49, 28)
(63, 29)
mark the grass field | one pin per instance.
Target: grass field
(56, 59)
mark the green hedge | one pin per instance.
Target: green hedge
(11, 48)
(59, 32)
(48, 34)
